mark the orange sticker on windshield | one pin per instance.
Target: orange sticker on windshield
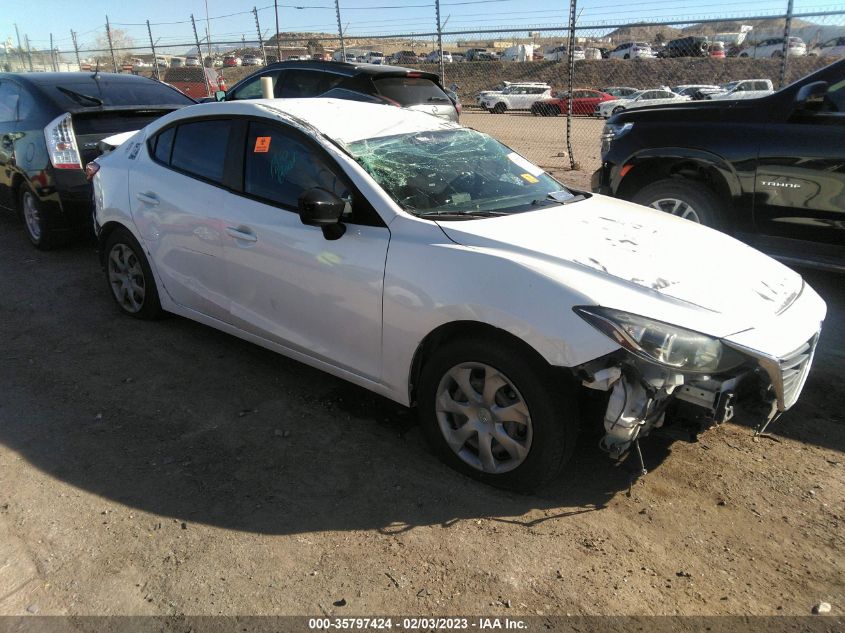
(530, 178)
(262, 144)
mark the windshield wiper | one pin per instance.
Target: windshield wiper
(78, 96)
(460, 214)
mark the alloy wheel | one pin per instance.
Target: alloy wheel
(676, 207)
(32, 215)
(126, 278)
(483, 418)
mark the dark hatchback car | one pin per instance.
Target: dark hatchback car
(50, 128)
(691, 46)
(376, 83)
(770, 171)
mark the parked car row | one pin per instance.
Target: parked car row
(497, 300)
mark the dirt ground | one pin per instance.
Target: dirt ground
(542, 140)
(166, 468)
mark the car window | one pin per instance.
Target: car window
(252, 88)
(408, 91)
(651, 94)
(306, 83)
(835, 98)
(27, 106)
(279, 167)
(163, 144)
(9, 95)
(200, 148)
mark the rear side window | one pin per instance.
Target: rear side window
(408, 91)
(305, 83)
(200, 148)
(9, 95)
(164, 145)
(252, 88)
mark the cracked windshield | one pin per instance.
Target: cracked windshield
(460, 172)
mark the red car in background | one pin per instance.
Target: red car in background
(197, 83)
(583, 102)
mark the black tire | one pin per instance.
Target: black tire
(36, 223)
(617, 110)
(703, 200)
(499, 108)
(627, 56)
(150, 305)
(552, 406)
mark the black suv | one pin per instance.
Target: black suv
(50, 128)
(376, 83)
(686, 47)
(770, 171)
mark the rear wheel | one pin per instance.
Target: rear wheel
(685, 199)
(492, 412)
(36, 221)
(130, 278)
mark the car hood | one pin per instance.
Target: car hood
(634, 255)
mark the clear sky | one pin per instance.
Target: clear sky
(232, 19)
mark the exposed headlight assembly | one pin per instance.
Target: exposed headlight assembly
(662, 343)
(611, 132)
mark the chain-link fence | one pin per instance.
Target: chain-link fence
(543, 90)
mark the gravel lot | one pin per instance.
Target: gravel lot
(166, 468)
(542, 140)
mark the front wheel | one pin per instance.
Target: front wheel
(499, 108)
(130, 277)
(491, 412)
(618, 109)
(685, 199)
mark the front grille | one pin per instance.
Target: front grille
(794, 369)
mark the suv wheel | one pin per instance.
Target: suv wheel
(683, 198)
(499, 108)
(493, 413)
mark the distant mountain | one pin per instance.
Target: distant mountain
(652, 33)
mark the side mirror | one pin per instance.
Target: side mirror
(322, 208)
(811, 96)
(220, 95)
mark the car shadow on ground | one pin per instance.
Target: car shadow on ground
(180, 420)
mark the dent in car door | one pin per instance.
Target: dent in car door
(287, 282)
(800, 179)
(177, 213)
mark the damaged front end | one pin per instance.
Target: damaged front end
(682, 382)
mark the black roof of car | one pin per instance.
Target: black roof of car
(50, 79)
(349, 69)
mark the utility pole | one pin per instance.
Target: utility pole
(199, 52)
(340, 29)
(440, 43)
(153, 46)
(76, 48)
(208, 31)
(52, 55)
(278, 43)
(260, 39)
(111, 46)
(20, 47)
(28, 51)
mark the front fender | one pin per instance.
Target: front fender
(665, 157)
(428, 285)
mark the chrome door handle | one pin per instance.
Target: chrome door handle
(241, 233)
(148, 198)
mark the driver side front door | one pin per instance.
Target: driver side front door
(287, 283)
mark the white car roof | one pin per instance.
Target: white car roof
(339, 119)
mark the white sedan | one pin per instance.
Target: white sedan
(434, 266)
(640, 99)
